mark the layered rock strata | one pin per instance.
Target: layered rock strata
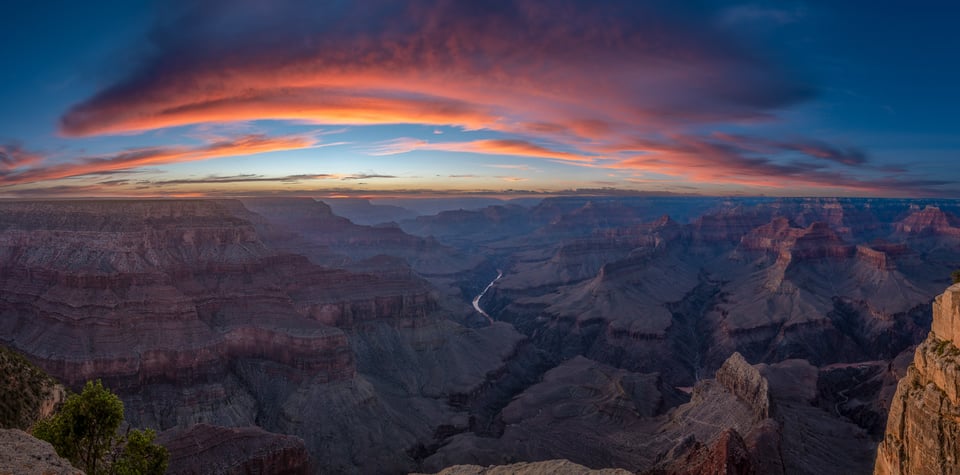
(747, 384)
(184, 311)
(923, 428)
(204, 449)
(89, 288)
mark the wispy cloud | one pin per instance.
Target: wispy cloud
(135, 158)
(248, 178)
(513, 166)
(507, 147)
(14, 156)
(737, 160)
(366, 176)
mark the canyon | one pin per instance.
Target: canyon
(660, 335)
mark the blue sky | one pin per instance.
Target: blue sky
(424, 97)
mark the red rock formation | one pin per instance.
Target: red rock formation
(931, 221)
(923, 428)
(771, 237)
(876, 259)
(816, 241)
(727, 455)
(163, 291)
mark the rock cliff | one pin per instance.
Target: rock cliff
(23, 454)
(184, 310)
(746, 383)
(923, 428)
(89, 286)
(27, 394)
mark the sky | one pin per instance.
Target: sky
(500, 97)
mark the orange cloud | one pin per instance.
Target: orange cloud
(239, 146)
(582, 68)
(737, 162)
(320, 106)
(618, 83)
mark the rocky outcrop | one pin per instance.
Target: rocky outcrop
(205, 449)
(23, 454)
(27, 394)
(816, 241)
(728, 455)
(746, 383)
(548, 467)
(923, 428)
(875, 258)
(930, 221)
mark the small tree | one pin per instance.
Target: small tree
(140, 455)
(955, 276)
(84, 432)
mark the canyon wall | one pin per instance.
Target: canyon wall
(184, 310)
(923, 428)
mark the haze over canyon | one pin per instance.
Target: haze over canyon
(655, 335)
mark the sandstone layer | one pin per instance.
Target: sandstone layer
(923, 428)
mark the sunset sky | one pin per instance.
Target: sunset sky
(373, 98)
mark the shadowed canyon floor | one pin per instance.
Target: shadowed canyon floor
(659, 335)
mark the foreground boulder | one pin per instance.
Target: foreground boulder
(23, 454)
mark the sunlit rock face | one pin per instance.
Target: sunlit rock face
(923, 428)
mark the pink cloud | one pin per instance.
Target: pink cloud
(135, 158)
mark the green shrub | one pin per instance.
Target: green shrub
(84, 432)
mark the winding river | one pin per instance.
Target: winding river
(476, 300)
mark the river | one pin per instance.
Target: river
(476, 300)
